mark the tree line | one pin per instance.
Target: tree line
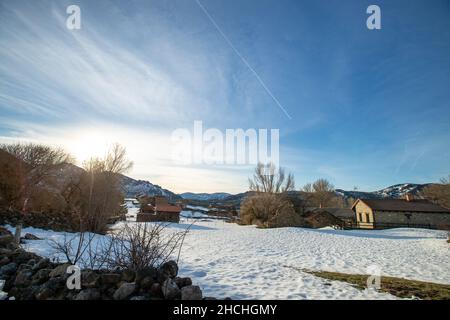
(31, 181)
(274, 201)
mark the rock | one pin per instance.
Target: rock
(146, 283)
(50, 288)
(167, 270)
(23, 278)
(191, 293)
(4, 260)
(4, 231)
(183, 282)
(146, 272)
(6, 239)
(124, 291)
(110, 278)
(139, 298)
(156, 290)
(29, 293)
(41, 264)
(170, 289)
(59, 270)
(30, 236)
(24, 266)
(8, 269)
(23, 256)
(43, 293)
(209, 298)
(55, 284)
(41, 276)
(89, 279)
(6, 252)
(31, 262)
(128, 275)
(88, 294)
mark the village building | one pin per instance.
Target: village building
(158, 208)
(395, 213)
(346, 215)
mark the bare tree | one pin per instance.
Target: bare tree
(321, 194)
(270, 205)
(35, 165)
(100, 189)
(267, 178)
(438, 193)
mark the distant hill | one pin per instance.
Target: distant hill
(205, 196)
(395, 192)
(133, 188)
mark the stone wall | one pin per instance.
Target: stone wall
(28, 276)
(435, 220)
(53, 221)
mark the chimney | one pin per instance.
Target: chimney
(409, 197)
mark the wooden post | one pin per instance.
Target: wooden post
(18, 233)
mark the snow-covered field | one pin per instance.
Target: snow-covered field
(243, 262)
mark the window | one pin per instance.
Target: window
(360, 217)
(367, 217)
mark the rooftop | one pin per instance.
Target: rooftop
(418, 205)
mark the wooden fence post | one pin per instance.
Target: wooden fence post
(18, 233)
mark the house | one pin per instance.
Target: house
(158, 208)
(346, 215)
(394, 213)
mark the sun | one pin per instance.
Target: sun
(88, 145)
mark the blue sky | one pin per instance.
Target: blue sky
(367, 108)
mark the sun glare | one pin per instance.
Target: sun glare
(88, 145)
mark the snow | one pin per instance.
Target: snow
(197, 208)
(244, 262)
(193, 214)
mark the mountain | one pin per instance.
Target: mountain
(395, 192)
(133, 188)
(205, 196)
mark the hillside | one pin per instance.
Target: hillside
(205, 196)
(395, 192)
(133, 188)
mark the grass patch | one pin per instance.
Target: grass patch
(399, 287)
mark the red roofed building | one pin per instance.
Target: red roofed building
(158, 209)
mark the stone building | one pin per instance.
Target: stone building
(395, 213)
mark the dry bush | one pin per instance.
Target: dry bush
(269, 210)
(134, 247)
(142, 245)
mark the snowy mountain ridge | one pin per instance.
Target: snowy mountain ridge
(133, 188)
(205, 196)
(395, 192)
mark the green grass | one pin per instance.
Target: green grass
(399, 287)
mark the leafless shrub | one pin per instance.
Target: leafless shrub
(134, 247)
(143, 245)
(72, 247)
